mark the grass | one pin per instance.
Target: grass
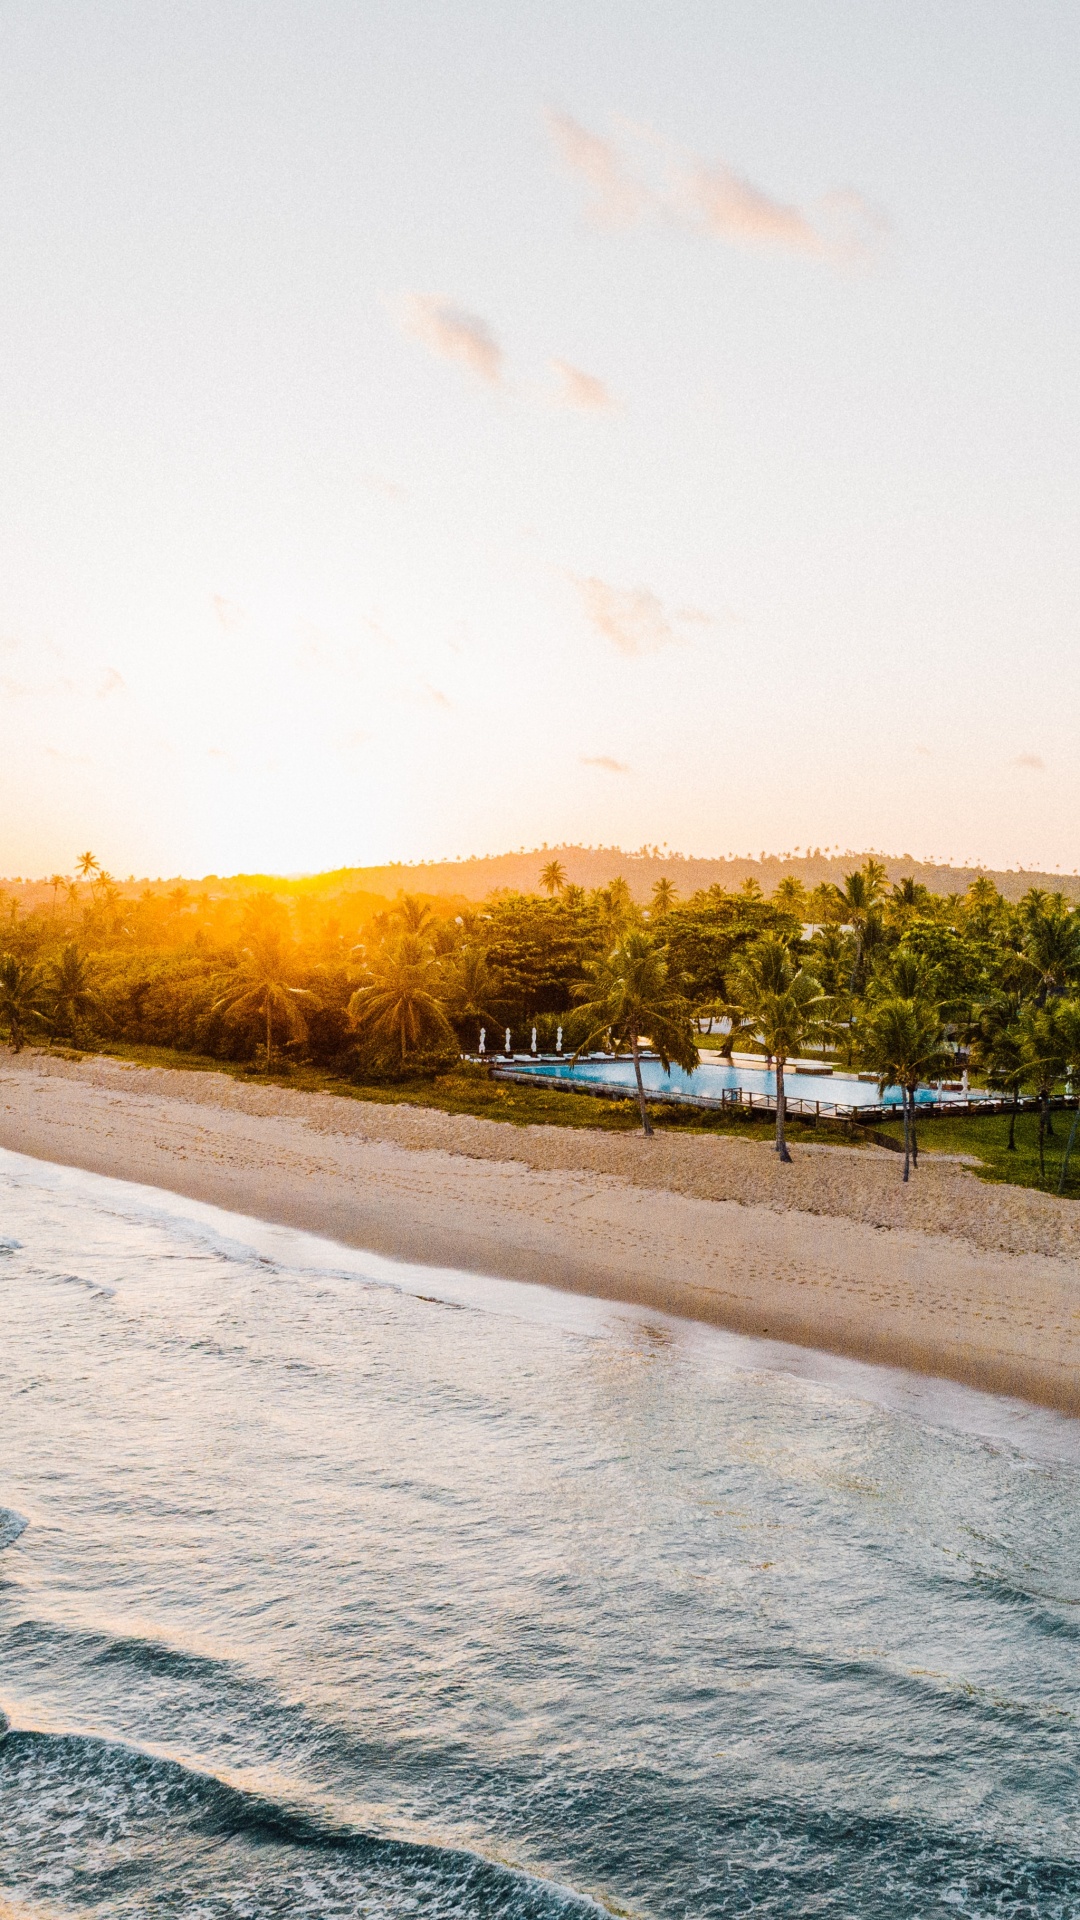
(987, 1139)
(468, 1089)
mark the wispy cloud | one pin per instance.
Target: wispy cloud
(453, 334)
(616, 199)
(1032, 761)
(708, 196)
(227, 613)
(632, 618)
(604, 762)
(110, 682)
(581, 391)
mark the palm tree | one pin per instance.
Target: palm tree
(469, 987)
(629, 992)
(56, 881)
(1044, 1051)
(263, 985)
(858, 902)
(412, 914)
(1069, 1030)
(997, 1049)
(87, 866)
(791, 896)
(22, 998)
(72, 996)
(664, 896)
(614, 904)
(553, 877)
(901, 1041)
(401, 1003)
(1051, 943)
(783, 1003)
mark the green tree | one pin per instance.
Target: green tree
(901, 1040)
(631, 992)
(72, 995)
(264, 985)
(469, 988)
(412, 914)
(23, 998)
(1051, 942)
(664, 896)
(1044, 1049)
(553, 877)
(401, 1005)
(858, 903)
(791, 897)
(998, 1051)
(783, 1003)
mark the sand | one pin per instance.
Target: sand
(948, 1276)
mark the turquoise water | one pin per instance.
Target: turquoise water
(713, 1079)
(333, 1587)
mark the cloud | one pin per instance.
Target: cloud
(722, 204)
(604, 762)
(731, 208)
(227, 613)
(1030, 760)
(110, 682)
(710, 197)
(378, 483)
(581, 391)
(632, 618)
(453, 334)
(617, 200)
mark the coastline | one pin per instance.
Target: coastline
(949, 1277)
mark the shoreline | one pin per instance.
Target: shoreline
(949, 1277)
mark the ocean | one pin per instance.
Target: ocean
(336, 1586)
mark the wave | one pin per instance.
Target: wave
(123, 1832)
(11, 1526)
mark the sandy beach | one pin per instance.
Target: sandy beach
(949, 1276)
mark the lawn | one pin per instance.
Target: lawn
(468, 1089)
(988, 1140)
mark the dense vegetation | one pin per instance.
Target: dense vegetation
(912, 985)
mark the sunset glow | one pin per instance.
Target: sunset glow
(432, 431)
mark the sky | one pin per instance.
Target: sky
(431, 429)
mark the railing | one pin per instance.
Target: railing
(798, 1105)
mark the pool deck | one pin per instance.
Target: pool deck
(526, 1069)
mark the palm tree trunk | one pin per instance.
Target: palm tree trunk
(269, 1035)
(1012, 1118)
(781, 1113)
(1042, 1135)
(1068, 1150)
(646, 1125)
(914, 1135)
(907, 1136)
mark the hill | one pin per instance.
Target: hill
(473, 879)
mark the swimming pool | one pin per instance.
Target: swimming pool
(721, 1081)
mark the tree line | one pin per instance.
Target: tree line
(893, 979)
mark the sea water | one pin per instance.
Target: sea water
(332, 1586)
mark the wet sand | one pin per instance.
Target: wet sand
(949, 1276)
